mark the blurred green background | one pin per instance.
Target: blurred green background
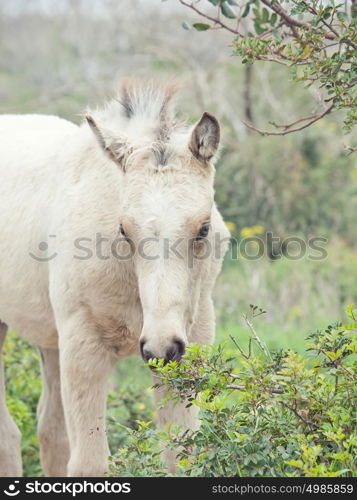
(57, 57)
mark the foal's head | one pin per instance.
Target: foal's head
(165, 207)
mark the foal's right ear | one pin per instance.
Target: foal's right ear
(116, 148)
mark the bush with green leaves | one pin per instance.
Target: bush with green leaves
(263, 413)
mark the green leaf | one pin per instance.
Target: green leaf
(341, 16)
(350, 326)
(214, 2)
(273, 19)
(246, 10)
(227, 10)
(265, 16)
(258, 29)
(186, 25)
(201, 26)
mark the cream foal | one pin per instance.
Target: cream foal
(108, 248)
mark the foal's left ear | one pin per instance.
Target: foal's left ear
(205, 137)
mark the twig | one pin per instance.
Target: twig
(268, 31)
(289, 125)
(272, 390)
(246, 356)
(342, 366)
(337, 363)
(255, 335)
(297, 414)
(314, 118)
(215, 20)
(236, 387)
(291, 22)
(351, 149)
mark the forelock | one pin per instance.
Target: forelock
(143, 113)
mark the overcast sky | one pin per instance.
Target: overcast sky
(97, 7)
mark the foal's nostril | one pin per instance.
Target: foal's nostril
(176, 351)
(145, 353)
(142, 342)
(181, 347)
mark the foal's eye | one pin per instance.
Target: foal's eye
(203, 232)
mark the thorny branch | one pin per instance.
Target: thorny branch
(298, 27)
(287, 128)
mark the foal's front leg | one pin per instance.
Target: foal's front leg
(179, 414)
(85, 366)
(51, 427)
(176, 414)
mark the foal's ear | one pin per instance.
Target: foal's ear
(205, 137)
(97, 132)
(114, 147)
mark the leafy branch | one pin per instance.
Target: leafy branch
(316, 41)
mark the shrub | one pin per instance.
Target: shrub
(263, 413)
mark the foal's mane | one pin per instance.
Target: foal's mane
(142, 112)
(148, 99)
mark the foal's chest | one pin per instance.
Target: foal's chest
(118, 319)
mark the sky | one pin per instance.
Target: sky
(97, 7)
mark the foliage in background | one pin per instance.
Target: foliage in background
(291, 185)
(263, 414)
(23, 388)
(316, 40)
(297, 294)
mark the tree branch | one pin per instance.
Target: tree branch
(289, 125)
(271, 390)
(290, 21)
(215, 20)
(297, 414)
(288, 130)
(351, 149)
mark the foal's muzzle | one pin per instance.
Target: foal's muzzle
(173, 352)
